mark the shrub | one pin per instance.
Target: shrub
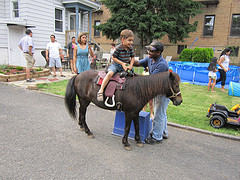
(203, 55)
(186, 55)
(19, 68)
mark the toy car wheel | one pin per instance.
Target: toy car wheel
(217, 121)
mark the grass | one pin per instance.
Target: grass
(192, 112)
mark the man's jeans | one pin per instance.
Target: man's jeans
(160, 104)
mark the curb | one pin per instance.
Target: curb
(236, 138)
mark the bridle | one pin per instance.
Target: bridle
(173, 93)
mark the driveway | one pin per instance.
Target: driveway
(39, 140)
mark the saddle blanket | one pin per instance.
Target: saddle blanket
(115, 82)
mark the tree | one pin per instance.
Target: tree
(151, 19)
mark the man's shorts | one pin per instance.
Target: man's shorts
(212, 77)
(115, 68)
(30, 60)
(55, 62)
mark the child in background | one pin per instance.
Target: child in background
(212, 73)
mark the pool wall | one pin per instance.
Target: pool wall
(197, 73)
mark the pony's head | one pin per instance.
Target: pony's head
(174, 94)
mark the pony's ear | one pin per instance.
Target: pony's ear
(171, 76)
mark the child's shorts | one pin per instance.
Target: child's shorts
(212, 77)
(115, 68)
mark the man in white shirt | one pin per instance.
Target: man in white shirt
(53, 49)
(27, 46)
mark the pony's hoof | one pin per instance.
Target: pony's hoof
(91, 136)
(128, 148)
(140, 145)
(82, 129)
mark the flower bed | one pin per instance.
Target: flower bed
(17, 73)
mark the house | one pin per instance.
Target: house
(58, 17)
(218, 27)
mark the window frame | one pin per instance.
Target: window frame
(182, 46)
(231, 34)
(12, 10)
(204, 25)
(97, 31)
(63, 19)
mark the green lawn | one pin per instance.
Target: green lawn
(192, 112)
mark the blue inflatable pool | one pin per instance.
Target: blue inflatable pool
(197, 73)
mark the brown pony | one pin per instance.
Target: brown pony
(136, 94)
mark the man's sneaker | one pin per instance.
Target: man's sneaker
(165, 136)
(30, 80)
(152, 141)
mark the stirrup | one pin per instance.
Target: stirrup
(110, 105)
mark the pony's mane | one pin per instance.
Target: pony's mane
(146, 87)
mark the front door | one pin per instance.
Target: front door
(15, 54)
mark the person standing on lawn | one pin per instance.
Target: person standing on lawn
(223, 67)
(27, 46)
(53, 49)
(212, 73)
(156, 64)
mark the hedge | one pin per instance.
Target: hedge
(203, 55)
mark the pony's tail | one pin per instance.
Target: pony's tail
(70, 98)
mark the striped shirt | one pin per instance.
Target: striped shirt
(123, 54)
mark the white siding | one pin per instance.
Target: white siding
(7, 8)
(42, 15)
(3, 35)
(4, 56)
(2, 9)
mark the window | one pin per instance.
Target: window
(15, 9)
(96, 32)
(208, 25)
(58, 20)
(180, 48)
(235, 29)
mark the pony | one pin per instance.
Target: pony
(138, 90)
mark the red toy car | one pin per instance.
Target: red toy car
(220, 115)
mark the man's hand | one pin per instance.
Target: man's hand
(130, 67)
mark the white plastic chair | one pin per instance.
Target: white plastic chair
(168, 58)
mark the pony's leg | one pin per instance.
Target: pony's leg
(80, 121)
(82, 118)
(128, 121)
(136, 127)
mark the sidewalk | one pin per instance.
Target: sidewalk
(41, 80)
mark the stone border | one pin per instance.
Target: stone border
(18, 77)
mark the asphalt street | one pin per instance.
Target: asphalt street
(39, 140)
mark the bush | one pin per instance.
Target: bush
(186, 55)
(203, 55)
(19, 68)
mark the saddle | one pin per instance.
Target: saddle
(115, 82)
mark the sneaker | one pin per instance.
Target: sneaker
(30, 80)
(165, 136)
(152, 141)
(100, 96)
